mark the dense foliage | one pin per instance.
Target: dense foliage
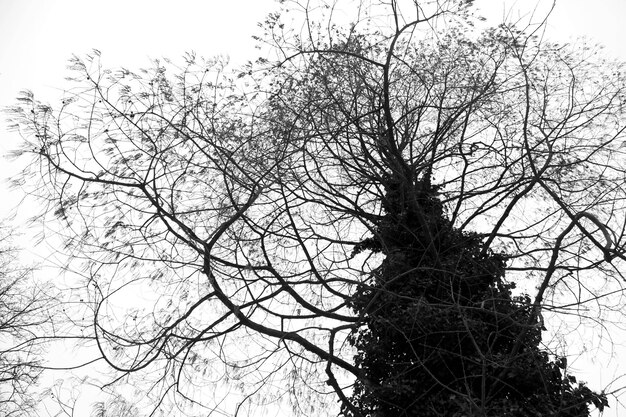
(445, 336)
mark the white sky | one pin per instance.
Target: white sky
(37, 37)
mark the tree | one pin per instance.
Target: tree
(23, 312)
(347, 217)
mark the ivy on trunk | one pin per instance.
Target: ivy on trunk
(444, 335)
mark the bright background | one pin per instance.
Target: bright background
(37, 37)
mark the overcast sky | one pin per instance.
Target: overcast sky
(37, 37)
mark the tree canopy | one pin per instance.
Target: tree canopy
(382, 210)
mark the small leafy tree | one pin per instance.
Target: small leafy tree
(338, 218)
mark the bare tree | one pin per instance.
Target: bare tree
(23, 312)
(226, 221)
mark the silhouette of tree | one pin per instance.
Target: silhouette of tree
(344, 209)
